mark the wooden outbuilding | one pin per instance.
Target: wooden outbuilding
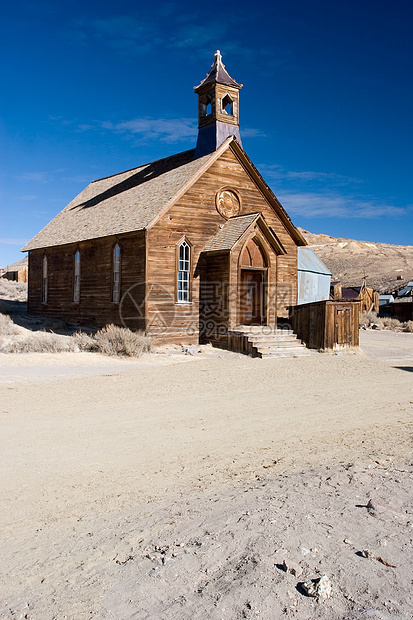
(327, 325)
(17, 272)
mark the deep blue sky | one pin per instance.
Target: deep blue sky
(92, 88)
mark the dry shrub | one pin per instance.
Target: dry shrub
(368, 318)
(408, 327)
(114, 340)
(13, 290)
(39, 342)
(390, 322)
(7, 327)
(85, 342)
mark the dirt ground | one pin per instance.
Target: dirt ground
(176, 487)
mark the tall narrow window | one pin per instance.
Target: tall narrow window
(116, 274)
(44, 280)
(184, 260)
(76, 287)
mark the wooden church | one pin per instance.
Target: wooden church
(191, 248)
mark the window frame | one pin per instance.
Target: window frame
(76, 277)
(188, 289)
(45, 281)
(116, 283)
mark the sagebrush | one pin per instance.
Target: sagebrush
(7, 327)
(39, 342)
(114, 340)
(13, 290)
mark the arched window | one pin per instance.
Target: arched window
(44, 280)
(184, 266)
(116, 274)
(76, 286)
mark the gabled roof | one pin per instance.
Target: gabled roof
(309, 261)
(236, 227)
(20, 264)
(137, 198)
(218, 74)
(121, 203)
(231, 231)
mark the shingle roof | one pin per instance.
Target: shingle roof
(120, 203)
(232, 230)
(20, 264)
(218, 74)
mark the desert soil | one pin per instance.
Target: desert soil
(176, 487)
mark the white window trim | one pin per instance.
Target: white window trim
(184, 272)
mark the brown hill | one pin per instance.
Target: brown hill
(350, 260)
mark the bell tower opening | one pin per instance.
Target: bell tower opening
(218, 108)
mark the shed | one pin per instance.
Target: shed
(313, 277)
(18, 271)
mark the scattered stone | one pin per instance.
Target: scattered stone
(318, 588)
(192, 350)
(304, 551)
(292, 567)
(347, 541)
(367, 554)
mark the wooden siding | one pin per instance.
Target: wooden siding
(215, 297)
(95, 307)
(195, 216)
(327, 325)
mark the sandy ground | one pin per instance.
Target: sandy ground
(159, 489)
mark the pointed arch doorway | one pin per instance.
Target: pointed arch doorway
(253, 284)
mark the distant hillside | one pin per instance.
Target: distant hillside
(350, 260)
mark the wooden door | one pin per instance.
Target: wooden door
(343, 326)
(251, 297)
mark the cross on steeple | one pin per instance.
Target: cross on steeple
(218, 108)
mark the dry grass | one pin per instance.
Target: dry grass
(16, 291)
(368, 318)
(111, 340)
(7, 327)
(39, 342)
(389, 323)
(114, 340)
(408, 327)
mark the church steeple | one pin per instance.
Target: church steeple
(218, 108)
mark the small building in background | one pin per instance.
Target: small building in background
(17, 272)
(385, 299)
(406, 291)
(313, 277)
(368, 297)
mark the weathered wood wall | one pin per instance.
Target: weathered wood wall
(95, 307)
(325, 325)
(196, 216)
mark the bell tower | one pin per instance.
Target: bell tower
(218, 108)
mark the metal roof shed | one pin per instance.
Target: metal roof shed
(313, 277)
